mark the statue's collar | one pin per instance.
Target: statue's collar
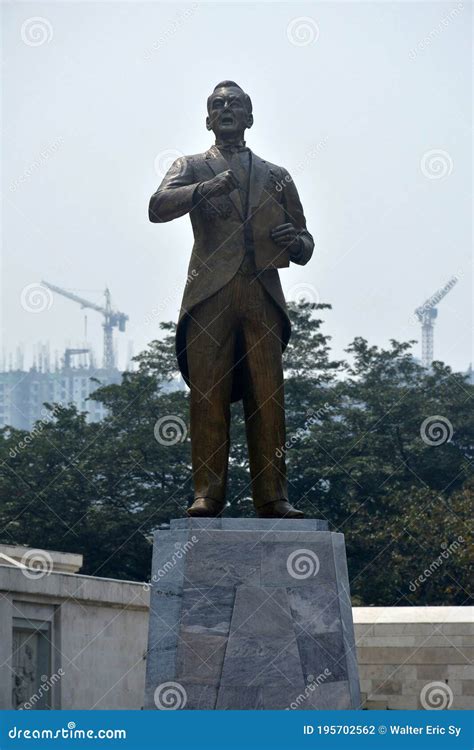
(232, 148)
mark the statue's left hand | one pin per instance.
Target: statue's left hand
(285, 235)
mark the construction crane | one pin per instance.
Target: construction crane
(427, 315)
(112, 319)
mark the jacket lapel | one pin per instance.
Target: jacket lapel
(218, 164)
(260, 170)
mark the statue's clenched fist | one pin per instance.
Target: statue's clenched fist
(222, 184)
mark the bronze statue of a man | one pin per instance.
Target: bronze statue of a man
(247, 221)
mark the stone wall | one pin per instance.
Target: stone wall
(414, 657)
(71, 642)
(88, 637)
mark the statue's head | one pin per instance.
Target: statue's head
(229, 111)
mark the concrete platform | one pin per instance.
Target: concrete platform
(250, 614)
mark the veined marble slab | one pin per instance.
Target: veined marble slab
(250, 614)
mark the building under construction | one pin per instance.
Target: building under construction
(112, 319)
(24, 392)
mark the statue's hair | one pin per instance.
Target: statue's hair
(234, 85)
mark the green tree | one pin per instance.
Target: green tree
(393, 448)
(377, 445)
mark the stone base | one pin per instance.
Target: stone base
(250, 614)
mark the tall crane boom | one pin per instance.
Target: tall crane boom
(75, 298)
(112, 319)
(427, 315)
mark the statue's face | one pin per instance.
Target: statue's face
(228, 116)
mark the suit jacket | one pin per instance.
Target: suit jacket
(222, 233)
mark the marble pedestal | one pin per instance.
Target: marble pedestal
(250, 614)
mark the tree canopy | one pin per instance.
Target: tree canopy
(377, 445)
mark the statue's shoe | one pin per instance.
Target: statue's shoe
(204, 507)
(279, 509)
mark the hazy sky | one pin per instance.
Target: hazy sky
(367, 104)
